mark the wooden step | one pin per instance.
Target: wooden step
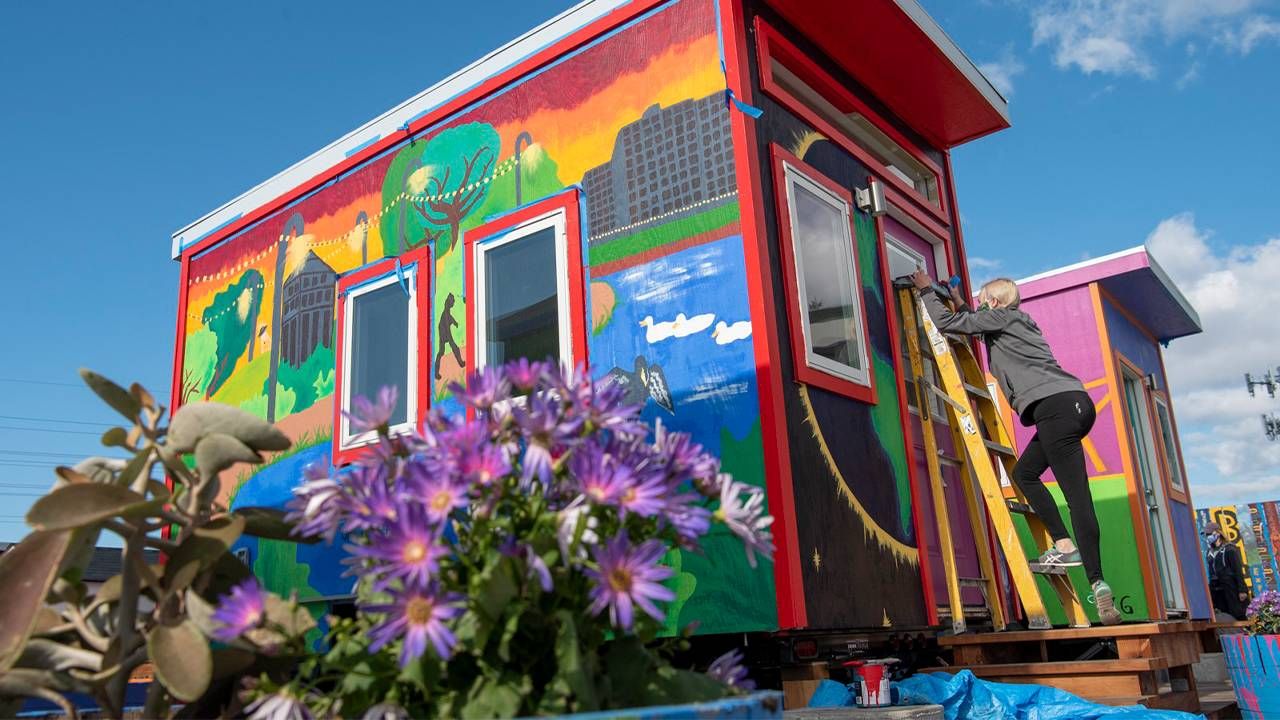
(1069, 667)
(1113, 631)
(996, 447)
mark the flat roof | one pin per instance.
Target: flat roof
(399, 118)
(1135, 280)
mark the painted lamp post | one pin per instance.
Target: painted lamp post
(1253, 659)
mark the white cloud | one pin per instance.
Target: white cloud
(1235, 292)
(981, 263)
(1002, 72)
(1115, 37)
(1191, 75)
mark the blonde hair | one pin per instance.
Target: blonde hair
(1003, 290)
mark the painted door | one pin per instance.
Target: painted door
(906, 250)
(1147, 466)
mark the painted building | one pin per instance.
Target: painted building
(1254, 529)
(1107, 320)
(662, 186)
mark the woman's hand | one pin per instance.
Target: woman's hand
(921, 279)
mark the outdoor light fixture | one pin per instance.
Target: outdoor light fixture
(870, 199)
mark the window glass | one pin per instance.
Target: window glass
(521, 299)
(1168, 441)
(380, 346)
(828, 279)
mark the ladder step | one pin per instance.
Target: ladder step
(1039, 569)
(994, 446)
(1019, 507)
(974, 581)
(976, 391)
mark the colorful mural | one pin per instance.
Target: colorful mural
(637, 118)
(1254, 529)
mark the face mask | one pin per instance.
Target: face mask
(1213, 538)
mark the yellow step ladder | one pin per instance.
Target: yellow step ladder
(979, 434)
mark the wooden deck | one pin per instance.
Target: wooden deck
(1145, 663)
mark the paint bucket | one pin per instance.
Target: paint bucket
(872, 686)
(1253, 662)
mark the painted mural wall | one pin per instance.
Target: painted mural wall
(1254, 529)
(638, 119)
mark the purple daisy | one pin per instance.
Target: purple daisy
(525, 375)
(371, 503)
(366, 415)
(686, 460)
(278, 706)
(599, 476)
(484, 389)
(546, 433)
(646, 498)
(239, 611)
(728, 669)
(535, 567)
(419, 614)
(690, 520)
(440, 495)
(746, 519)
(626, 577)
(316, 507)
(410, 550)
(483, 465)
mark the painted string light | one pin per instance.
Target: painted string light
(664, 215)
(251, 288)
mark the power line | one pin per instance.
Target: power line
(50, 430)
(56, 420)
(45, 453)
(23, 381)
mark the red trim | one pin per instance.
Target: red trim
(422, 288)
(917, 510)
(770, 43)
(489, 87)
(960, 265)
(788, 580)
(803, 371)
(566, 202)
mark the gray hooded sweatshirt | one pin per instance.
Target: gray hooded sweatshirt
(1017, 353)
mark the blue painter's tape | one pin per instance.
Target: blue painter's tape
(518, 208)
(750, 110)
(363, 145)
(404, 285)
(730, 99)
(225, 223)
(399, 271)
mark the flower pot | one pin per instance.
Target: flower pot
(764, 705)
(1253, 662)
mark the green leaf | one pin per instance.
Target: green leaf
(135, 467)
(200, 419)
(264, 522)
(494, 698)
(43, 654)
(509, 631)
(115, 437)
(494, 587)
(182, 659)
(569, 663)
(231, 661)
(27, 571)
(216, 452)
(628, 665)
(228, 571)
(85, 504)
(204, 547)
(669, 686)
(117, 397)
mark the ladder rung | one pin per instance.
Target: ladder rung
(978, 581)
(1019, 507)
(994, 446)
(1039, 569)
(977, 391)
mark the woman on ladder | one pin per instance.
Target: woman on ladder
(1051, 399)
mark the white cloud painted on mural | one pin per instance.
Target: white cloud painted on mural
(726, 333)
(1234, 290)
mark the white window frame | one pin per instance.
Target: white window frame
(936, 407)
(1177, 479)
(348, 440)
(555, 220)
(794, 176)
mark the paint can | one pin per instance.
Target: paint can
(871, 683)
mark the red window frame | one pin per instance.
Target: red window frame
(771, 44)
(567, 202)
(804, 372)
(422, 296)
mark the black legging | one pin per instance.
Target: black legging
(1062, 421)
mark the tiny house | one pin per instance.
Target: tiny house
(1107, 320)
(656, 188)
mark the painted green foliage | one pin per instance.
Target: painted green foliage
(276, 566)
(310, 381)
(720, 572)
(232, 317)
(200, 357)
(450, 168)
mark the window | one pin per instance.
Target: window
(1169, 443)
(526, 279)
(903, 260)
(380, 307)
(792, 78)
(828, 321)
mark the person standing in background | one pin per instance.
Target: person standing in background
(1226, 574)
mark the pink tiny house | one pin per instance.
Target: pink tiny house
(1107, 320)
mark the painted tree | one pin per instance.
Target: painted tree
(199, 359)
(232, 317)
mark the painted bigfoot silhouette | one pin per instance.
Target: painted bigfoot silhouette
(445, 328)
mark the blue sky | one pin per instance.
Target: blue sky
(1133, 119)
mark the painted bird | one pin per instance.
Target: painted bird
(645, 383)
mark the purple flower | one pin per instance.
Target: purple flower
(409, 550)
(599, 476)
(646, 498)
(483, 465)
(316, 508)
(439, 493)
(546, 434)
(278, 706)
(626, 577)
(690, 520)
(370, 501)
(239, 611)
(535, 567)
(366, 416)
(484, 389)
(525, 375)
(419, 614)
(686, 460)
(746, 518)
(729, 670)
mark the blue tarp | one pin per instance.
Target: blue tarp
(965, 696)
